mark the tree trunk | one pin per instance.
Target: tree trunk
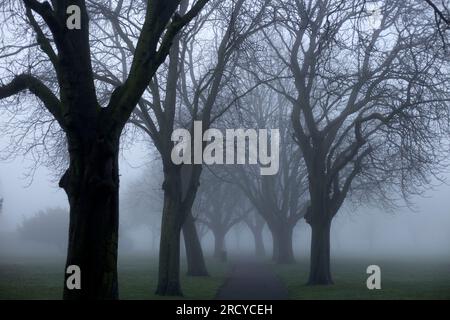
(260, 250)
(169, 250)
(92, 187)
(196, 266)
(320, 273)
(282, 245)
(219, 245)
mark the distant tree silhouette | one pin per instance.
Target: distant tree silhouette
(222, 207)
(48, 227)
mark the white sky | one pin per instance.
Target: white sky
(22, 200)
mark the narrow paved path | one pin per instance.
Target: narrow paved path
(252, 280)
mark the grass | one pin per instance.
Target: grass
(400, 279)
(136, 282)
(41, 278)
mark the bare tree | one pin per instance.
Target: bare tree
(141, 204)
(122, 44)
(280, 199)
(194, 86)
(256, 225)
(159, 111)
(368, 98)
(223, 206)
(92, 126)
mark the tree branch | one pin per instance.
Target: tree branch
(438, 12)
(147, 57)
(44, 9)
(39, 89)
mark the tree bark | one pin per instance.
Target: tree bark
(169, 251)
(92, 187)
(320, 273)
(219, 244)
(260, 250)
(196, 266)
(282, 245)
(319, 218)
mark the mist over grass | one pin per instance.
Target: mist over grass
(35, 277)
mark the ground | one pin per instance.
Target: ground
(40, 278)
(406, 278)
(252, 280)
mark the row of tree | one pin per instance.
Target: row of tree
(358, 89)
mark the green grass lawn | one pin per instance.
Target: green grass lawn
(40, 278)
(400, 279)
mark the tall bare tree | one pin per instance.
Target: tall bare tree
(369, 101)
(281, 199)
(92, 128)
(256, 225)
(185, 90)
(195, 86)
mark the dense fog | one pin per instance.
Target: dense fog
(420, 230)
(288, 137)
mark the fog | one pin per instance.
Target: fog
(261, 133)
(419, 231)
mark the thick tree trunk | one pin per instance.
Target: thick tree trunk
(320, 273)
(282, 245)
(194, 254)
(260, 250)
(219, 245)
(319, 218)
(169, 251)
(92, 187)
